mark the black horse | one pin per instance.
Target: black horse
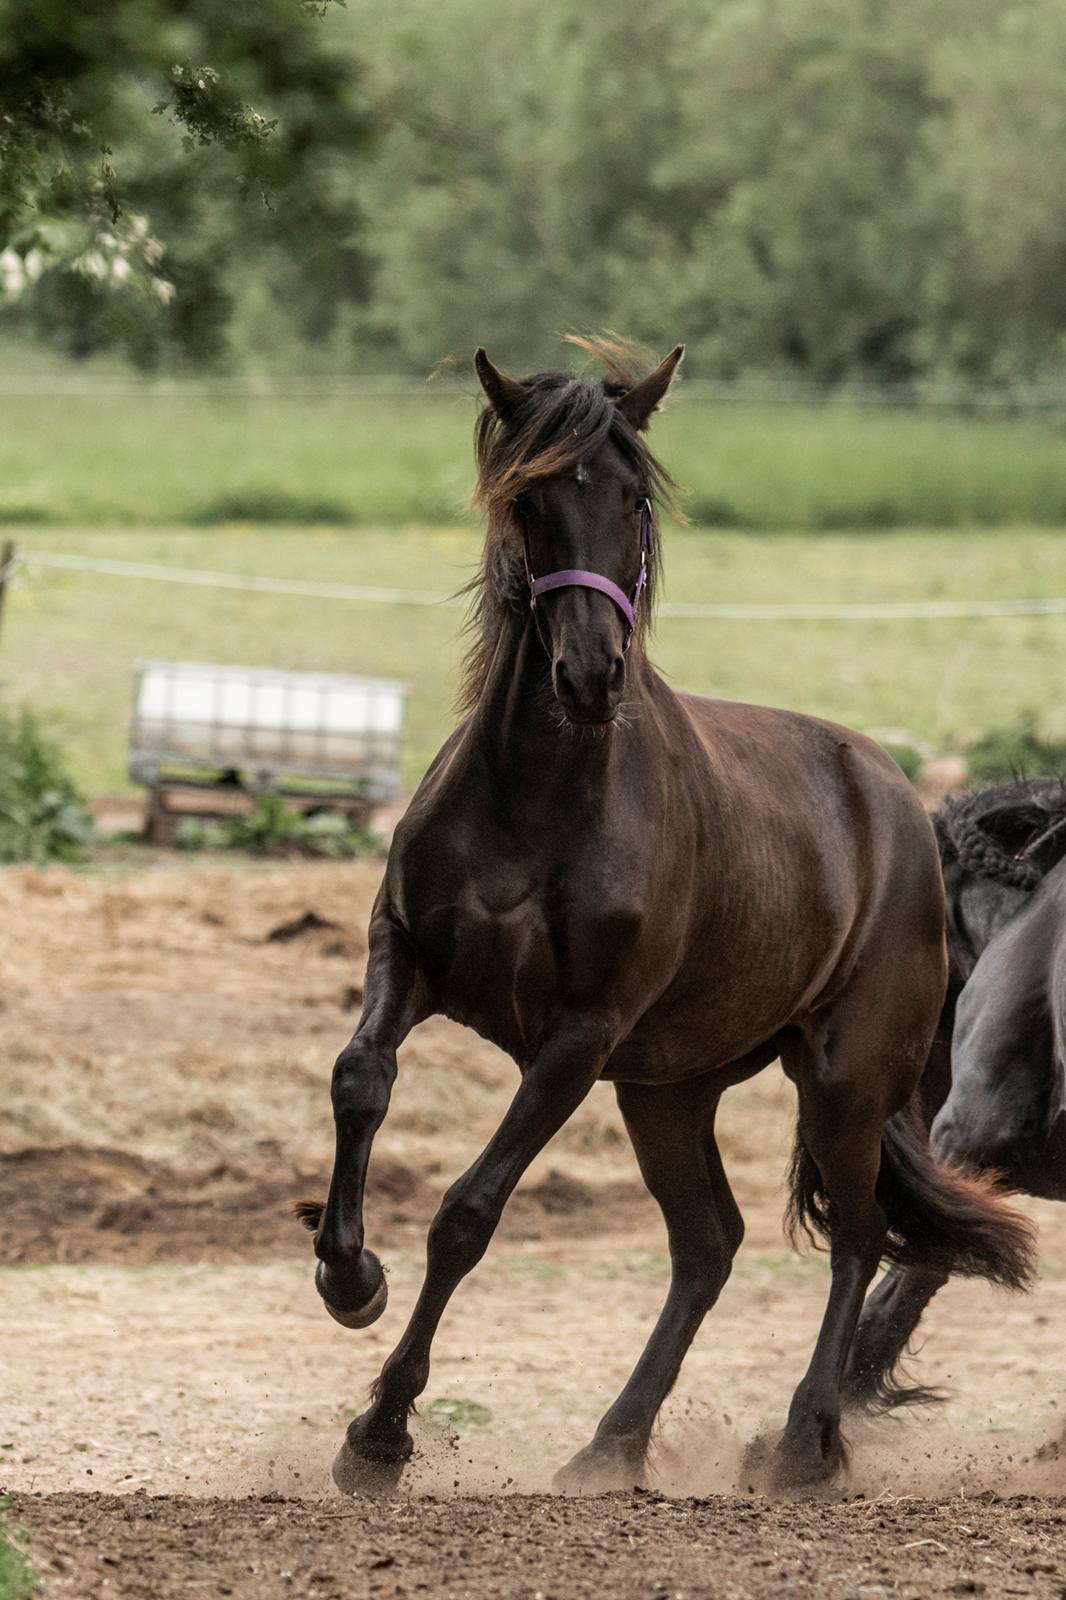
(994, 1088)
(613, 880)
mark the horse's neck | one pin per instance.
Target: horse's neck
(980, 908)
(520, 730)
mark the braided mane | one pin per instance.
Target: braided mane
(1011, 832)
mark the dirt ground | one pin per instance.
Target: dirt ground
(173, 1392)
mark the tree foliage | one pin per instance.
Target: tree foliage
(835, 189)
(154, 153)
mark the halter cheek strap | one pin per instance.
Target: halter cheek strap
(578, 578)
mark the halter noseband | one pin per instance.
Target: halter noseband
(578, 578)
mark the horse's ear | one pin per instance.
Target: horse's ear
(503, 392)
(646, 396)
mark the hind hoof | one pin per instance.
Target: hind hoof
(797, 1472)
(599, 1468)
(363, 1469)
(366, 1311)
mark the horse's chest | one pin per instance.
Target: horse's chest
(507, 949)
(485, 949)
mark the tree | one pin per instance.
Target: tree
(146, 145)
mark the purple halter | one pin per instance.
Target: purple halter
(578, 578)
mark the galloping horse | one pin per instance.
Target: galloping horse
(610, 879)
(994, 1088)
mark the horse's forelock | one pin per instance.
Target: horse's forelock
(557, 422)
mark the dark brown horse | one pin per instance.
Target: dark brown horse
(610, 879)
(994, 1087)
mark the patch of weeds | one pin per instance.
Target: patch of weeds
(907, 758)
(868, 516)
(42, 816)
(17, 1578)
(272, 505)
(23, 514)
(276, 828)
(639, 1266)
(1016, 750)
(709, 511)
(461, 1415)
(531, 1267)
(786, 1266)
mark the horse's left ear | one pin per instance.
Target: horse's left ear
(646, 396)
(503, 392)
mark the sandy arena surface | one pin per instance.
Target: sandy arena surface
(173, 1393)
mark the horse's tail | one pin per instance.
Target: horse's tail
(939, 1216)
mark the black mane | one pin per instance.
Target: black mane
(1013, 833)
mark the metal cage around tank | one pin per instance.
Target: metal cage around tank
(253, 730)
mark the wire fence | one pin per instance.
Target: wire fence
(861, 611)
(782, 392)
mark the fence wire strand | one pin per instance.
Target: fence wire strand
(862, 611)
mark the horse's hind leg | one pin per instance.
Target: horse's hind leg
(349, 1278)
(672, 1129)
(843, 1108)
(377, 1443)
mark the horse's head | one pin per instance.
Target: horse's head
(573, 481)
(996, 844)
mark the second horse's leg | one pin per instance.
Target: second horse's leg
(672, 1129)
(889, 1318)
(378, 1443)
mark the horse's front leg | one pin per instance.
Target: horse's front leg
(378, 1443)
(349, 1278)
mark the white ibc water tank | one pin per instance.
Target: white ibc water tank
(254, 718)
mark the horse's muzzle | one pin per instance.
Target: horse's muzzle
(588, 694)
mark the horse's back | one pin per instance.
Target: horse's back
(819, 859)
(825, 787)
(778, 739)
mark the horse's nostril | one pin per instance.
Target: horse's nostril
(618, 674)
(563, 681)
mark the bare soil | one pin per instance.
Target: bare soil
(174, 1393)
(537, 1545)
(84, 1204)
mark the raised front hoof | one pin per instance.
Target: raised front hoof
(349, 1303)
(364, 1468)
(599, 1468)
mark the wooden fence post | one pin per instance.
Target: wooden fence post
(7, 562)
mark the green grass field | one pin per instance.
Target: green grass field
(156, 459)
(70, 639)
